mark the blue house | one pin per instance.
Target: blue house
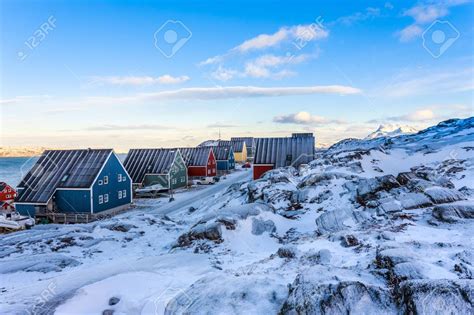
(90, 181)
(225, 158)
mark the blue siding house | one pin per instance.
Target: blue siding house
(225, 158)
(88, 181)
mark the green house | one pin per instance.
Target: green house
(163, 167)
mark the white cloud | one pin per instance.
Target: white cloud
(429, 82)
(24, 99)
(137, 80)
(303, 118)
(423, 14)
(410, 32)
(297, 34)
(111, 127)
(229, 92)
(261, 67)
(369, 13)
(223, 74)
(435, 113)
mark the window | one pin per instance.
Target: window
(208, 171)
(119, 178)
(106, 180)
(9, 196)
(124, 178)
(124, 193)
(106, 198)
(173, 181)
(100, 182)
(119, 194)
(101, 199)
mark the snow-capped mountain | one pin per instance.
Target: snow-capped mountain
(379, 226)
(391, 130)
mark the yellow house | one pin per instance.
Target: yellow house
(240, 149)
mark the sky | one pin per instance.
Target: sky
(130, 74)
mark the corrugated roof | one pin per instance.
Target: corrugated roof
(284, 151)
(222, 152)
(249, 141)
(2, 186)
(148, 161)
(61, 169)
(196, 156)
(237, 145)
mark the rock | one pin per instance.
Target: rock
(108, 312)
(260, 226)
(409, 271)
(229, 223)
(388, 258)
(349, 241)
(119, 227)
(453, 213)
(415, 201)
(443, 195)
(368, 187)
(322, 256)
(113, 301)
(287, 252)
(205, 231)
(437, 296)
(390, 205)
(38, 263)
(229, 294)
(333, 221)
(404, 177)
(346, 297)
(418, 185)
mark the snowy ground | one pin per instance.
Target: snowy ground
(346, 234)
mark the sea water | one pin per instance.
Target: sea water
(12, 169)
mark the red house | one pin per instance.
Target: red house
(200, 161)
(6, 192)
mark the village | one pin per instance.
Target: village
(83, 185)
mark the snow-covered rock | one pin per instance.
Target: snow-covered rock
(391, 130)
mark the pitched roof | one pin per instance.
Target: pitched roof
(222, 152)
(61, 169)
(237, 145)
(148, 161)
(196, 156)
(284, 151)
(2, 186)
(249, 141)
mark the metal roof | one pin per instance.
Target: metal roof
(2, 186)
(148, 161)
(196, 156)
(237, 145)
(61, 169)
(222, 152)
(284, 151)
(249, 141)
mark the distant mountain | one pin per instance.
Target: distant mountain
(391, 130)
(21, 151)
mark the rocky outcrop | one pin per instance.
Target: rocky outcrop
(345, 297)
(452, 213)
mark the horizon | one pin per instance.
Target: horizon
(74, 78)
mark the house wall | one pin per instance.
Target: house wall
(194, 171)
(259, 170)
(24, 209)
(211, 165)
(112, 169)
(178, 173)
(223, 165)
(153, 179)
(241, 157)
(8, 193)
(73, 201)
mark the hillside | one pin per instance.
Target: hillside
(375, 226)
(391, 130)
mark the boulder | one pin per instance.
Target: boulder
(368, 187)
(114, 300)
(443, 195)
(260, 226)
(426, 297)
(349, 241)
(333, 221)
(205, 231)
(451, 213)
(287, 252)
(345, 297)
(415, 200)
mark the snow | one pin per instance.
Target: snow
(400, 248)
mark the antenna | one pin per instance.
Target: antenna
(219, 133)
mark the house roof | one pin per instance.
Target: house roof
(2, 186)
(237, 145)
(222, 152)
(196, 156)
(61, 169)
(249, 141)
(284, 151)
(148, 161)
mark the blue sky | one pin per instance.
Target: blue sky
(102, 74)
